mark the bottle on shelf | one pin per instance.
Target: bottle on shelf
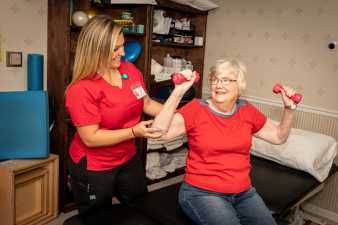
(189, 66)
(168, 64)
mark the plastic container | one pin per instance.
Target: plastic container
(168, 61)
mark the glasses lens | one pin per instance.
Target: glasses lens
(223, 82)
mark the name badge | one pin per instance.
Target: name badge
(139, 92)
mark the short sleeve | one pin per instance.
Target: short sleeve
(82, 106)
(189, 112)
(258, 119)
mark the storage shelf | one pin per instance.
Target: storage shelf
(171, 44)
(78, 29)
(177, 172)
(133, 34)
(164, 4)
(62, 43)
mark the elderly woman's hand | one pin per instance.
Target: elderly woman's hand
(288, 103)
(190, 77)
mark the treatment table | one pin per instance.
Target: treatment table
(282, 188)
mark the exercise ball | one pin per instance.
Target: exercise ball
(80, 18)
(132, 50)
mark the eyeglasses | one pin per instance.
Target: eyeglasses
(223, 82)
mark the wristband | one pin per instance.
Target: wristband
(132, 130)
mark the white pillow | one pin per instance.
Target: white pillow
(304, 150)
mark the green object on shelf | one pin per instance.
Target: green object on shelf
(101, 3)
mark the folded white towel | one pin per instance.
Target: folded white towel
(170, 144)
(153, 159)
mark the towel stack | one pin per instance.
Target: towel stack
(159, 164)
(169, 145)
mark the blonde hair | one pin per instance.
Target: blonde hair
(233, 66)
(95, 46)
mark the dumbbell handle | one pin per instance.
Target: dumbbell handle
(296, 97)
(179, 78)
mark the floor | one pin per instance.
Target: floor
(63, 216)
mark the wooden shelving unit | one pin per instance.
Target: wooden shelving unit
(62, 38)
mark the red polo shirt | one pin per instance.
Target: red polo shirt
(219, 146)
(95, 101)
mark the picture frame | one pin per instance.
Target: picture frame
(13, 59)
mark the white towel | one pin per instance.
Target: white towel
(170, 144)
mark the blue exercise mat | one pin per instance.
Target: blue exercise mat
(24, 124)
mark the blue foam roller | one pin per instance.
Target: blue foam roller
(24, 125)
(35, 72)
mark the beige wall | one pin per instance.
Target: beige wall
(279, 41)
(23, 27)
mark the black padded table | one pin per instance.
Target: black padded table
(280, 187)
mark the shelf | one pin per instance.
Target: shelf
(176, 173)
(165, 4)
(78, 29)
(163, 83)
(133, 34)
(182, 103)
(170, 44)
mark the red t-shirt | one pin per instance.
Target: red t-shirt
(95, 101)
(219, 146)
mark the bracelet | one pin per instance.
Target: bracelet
(132, 130)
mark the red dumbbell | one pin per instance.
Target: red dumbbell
(179, 78)
(296, 97)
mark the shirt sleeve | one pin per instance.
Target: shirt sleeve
(258, 119)
(188, 112)
(82, 106)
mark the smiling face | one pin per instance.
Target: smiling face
(118, 52)
(224, 87)
(227, 81)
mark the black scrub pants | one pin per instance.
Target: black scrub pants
(93, 190)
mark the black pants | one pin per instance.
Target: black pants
(94, 190)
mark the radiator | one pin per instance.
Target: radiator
(325, 204)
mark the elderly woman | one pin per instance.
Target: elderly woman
(217, 187)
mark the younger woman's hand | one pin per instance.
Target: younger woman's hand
(144, 129)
